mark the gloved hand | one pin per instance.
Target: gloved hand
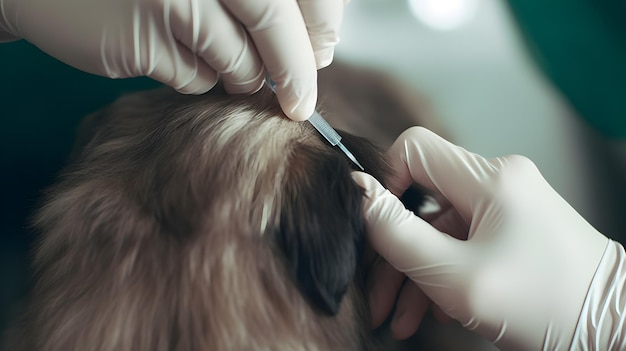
(185, 44)
(506, 256)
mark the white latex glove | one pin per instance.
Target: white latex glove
(186, 44)
(522, 276)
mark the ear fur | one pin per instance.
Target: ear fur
(321, 228)
(321, 232)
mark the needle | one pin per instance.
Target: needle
(327, 131)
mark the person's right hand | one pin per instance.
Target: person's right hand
(522, 269)
(188, 44)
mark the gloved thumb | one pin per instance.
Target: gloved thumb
(407, 242)
(423, 157)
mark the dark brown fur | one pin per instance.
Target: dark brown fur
(201, 223)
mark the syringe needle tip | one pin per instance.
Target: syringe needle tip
(350, 156)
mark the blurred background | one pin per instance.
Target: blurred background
(545, 79)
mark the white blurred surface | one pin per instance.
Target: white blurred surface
(443, 14)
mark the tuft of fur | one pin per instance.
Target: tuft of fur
(201, 223)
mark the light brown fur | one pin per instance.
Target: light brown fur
(162, 233)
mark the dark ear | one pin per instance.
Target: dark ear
(376, 165)
(321, 232)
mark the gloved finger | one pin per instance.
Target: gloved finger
(440, 315)
(281, 38)
(221, 41)
(384, 283)
(184, 71)
(323, 22)
(407, 242)
(410, 309)
(449, 221)
(370, 257)
(419, 155)
(438, 211)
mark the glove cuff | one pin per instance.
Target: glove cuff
(603, 317)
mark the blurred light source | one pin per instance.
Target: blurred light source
(443, 14)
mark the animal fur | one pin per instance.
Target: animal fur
(201, 223)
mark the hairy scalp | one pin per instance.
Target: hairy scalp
(201, 223)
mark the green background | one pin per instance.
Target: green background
(581, 46)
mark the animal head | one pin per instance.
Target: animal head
(202, 223)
